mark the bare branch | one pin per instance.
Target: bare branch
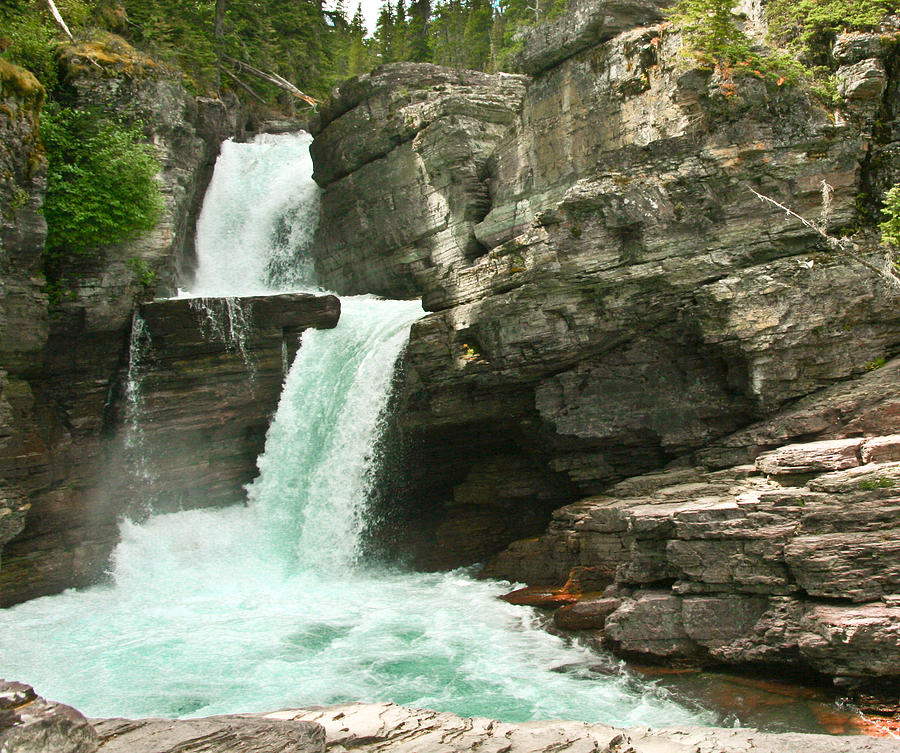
(243, 86)
(59, 19)
(273, 78)
(845, 246)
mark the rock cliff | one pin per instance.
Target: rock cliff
(63, 365)
(23, 303)
(191, 416)
(609, 296)
(29, 724)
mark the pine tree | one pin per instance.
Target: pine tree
(448, 31)
(359, 59)
(710, 30)
(417, 34)
(477, 34)
(384, 34)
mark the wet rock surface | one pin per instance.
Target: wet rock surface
(614, 296)
(29, 724)
(793, 561)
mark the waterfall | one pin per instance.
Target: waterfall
(258, 219)
(314, 473)
(266, 606)
(139, 470)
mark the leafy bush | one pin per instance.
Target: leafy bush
(101, 185)
(890, 228)
(808, 24)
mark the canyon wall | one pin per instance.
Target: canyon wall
(65, 474)
(609, 296)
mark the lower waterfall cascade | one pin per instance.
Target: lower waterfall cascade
(272, 604)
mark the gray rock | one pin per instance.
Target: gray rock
(583, 25)
(815, 457)
(864, 81)
(860, 566)
(853, 47)
(859, 641)
(881, 449)
(608, 295)
(385, 727)
(215, 734)
(29, 724)
(732, 567)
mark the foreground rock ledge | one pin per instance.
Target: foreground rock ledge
(29, 724)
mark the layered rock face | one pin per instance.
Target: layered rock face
(623, 298)
(62, 366)
(204, 380)
(795, 561)
(29, 724)
(23, 304)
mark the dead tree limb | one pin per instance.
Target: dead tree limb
(844, 246)
(274, 79)
(243, 86)
(59, 19)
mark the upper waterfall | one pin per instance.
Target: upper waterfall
(258, 218)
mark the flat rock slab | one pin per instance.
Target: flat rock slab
(216, 734)
(814, 457)
(387, 727)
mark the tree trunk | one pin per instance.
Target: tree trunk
(219, 32)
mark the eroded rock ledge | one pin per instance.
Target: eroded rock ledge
(794, 561)
(205, 380)
(29, 724)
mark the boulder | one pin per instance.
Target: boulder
(29, 724)
(836, 455)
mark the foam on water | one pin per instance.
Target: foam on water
(258, 218)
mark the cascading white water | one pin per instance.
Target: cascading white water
(258, 218)
(268, 605)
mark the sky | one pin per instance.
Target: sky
(369, 9)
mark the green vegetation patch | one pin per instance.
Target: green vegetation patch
(879, 483)
(810, 24)
(101, 181)
(805, 28)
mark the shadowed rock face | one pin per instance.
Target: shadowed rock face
(620, 298)
(205, 386)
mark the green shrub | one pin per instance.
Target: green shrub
(101, 181)
(807, 25)
(709, 30)
(890, 228)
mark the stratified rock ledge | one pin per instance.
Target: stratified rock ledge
(29, 724)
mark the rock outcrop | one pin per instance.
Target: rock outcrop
(402, 155)
(63, 366)
(795, 561)
(23, 304)
(204, 380)
(29, 724)
(622, 298)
